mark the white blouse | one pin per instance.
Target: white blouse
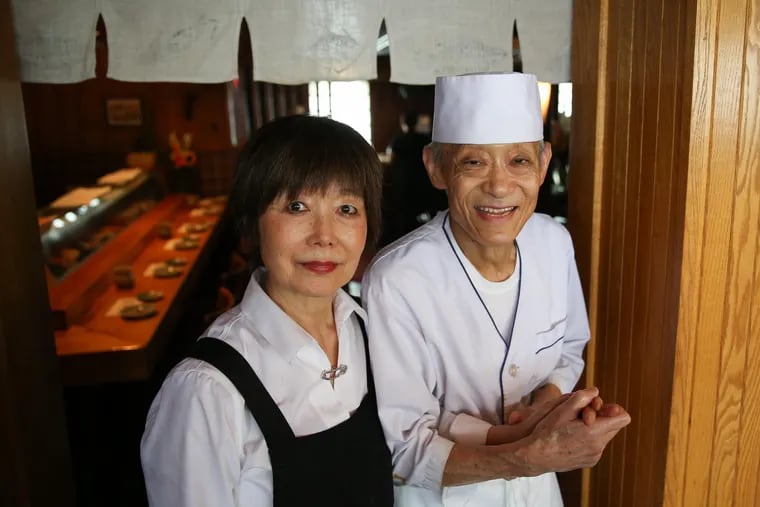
(202, 446)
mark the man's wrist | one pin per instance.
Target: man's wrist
(526, 453)
(470, 464)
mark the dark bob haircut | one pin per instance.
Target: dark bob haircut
(296, 154)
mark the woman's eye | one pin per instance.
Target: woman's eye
(296, 207)
(348, 209)
(472, 162)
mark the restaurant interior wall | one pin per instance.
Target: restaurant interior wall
(389, 101)
(71, 142)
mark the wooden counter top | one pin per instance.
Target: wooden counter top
(98, 348)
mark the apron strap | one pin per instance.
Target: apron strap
(370, 378)
(228, 361)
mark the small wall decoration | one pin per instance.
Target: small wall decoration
(123, 112)
(181, 154)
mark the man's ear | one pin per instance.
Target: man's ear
(434, 170)
(545, 158)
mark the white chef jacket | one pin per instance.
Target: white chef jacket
(202, 446)
(442, 372)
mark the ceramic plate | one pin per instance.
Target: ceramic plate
(176, 261)
(150, 295)
(138, 312)
(167, 272)
(186, 245)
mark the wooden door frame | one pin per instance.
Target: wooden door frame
(589, 71)
(35, 467)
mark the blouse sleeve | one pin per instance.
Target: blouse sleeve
(198, 448)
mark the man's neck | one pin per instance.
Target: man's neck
(494, 263)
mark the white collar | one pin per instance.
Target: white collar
(277, 327)
(534, 286)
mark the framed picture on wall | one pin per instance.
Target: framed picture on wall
(123, 112)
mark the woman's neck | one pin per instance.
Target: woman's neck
(313, 314)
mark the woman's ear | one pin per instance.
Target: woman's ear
(434, 169)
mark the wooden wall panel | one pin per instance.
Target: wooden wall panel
(714, 455)
(634, 177)
(586, 179)
(676, 284)
(72, 144)
(586, 175)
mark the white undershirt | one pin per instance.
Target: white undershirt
(499, 297)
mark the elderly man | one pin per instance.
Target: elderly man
(477, 320)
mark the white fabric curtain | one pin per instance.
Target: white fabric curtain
(297, 41)
(172, 40)
(293, 41)
(430, 38)
(55, 40)
(545, 30)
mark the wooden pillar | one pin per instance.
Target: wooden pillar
(35, 467)
(665, 213)
(714, 445)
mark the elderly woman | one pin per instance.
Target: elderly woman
(276, 405)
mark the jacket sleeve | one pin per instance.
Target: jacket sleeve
(405, 381)
(568, 370)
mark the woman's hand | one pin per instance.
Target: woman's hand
(597, 407)
(545, 393)
(520, 411)
(521, 420)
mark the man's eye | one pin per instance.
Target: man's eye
(348, 209)
(522, 160)
(472, 162)
(296, 207)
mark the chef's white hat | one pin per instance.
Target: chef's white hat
(487, 108)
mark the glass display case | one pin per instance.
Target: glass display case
(79, 223)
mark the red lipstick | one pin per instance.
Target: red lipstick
(320, 267)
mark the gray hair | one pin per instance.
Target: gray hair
(439, 150)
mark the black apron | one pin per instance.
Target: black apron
(348, 465)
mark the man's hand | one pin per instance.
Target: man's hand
(563, 440)
(597, 408)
